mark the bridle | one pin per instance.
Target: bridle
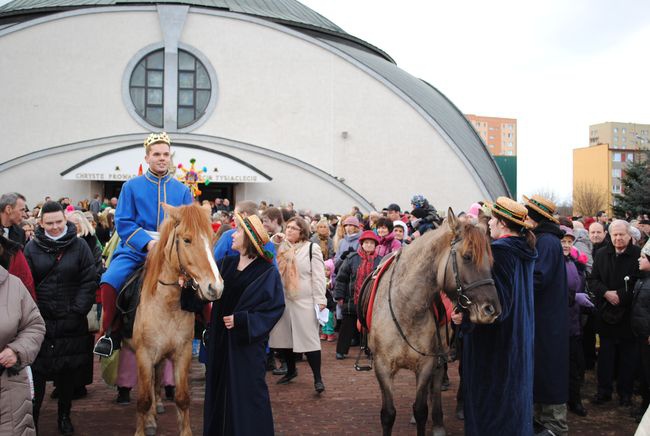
(189, 281)
(462, 300)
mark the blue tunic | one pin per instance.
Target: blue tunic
(497, 365)
(138, 209)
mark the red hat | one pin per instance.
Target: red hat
(369, 234)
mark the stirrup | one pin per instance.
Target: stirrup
(104, 346)
(368, 354)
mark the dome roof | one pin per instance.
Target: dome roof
(290, 13)
(286, 11)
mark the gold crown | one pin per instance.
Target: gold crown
(157, 137)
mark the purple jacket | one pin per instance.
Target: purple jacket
(387, 245)
(576, 282)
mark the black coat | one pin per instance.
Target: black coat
(641, 308)
(345, 280)
(608, 273)
(17, 234)
(65, 292)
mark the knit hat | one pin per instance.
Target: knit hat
(473, 210)
(369, 234)
(418, 200)
(351, 221)
(401, 224)
(568, 232)
(509, 209)
(394, 207)
(256, 234)
(543, 206)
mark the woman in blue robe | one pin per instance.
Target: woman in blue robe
(236, 395)
(498, 358)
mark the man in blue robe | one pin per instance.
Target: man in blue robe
(138, 217)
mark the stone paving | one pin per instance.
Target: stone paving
(349, 405)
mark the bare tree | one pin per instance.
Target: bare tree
(548, 194)
(589, 199)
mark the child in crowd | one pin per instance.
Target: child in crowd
(327, 331)
(349, 279)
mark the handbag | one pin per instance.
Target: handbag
(93, 319)
(109, 368)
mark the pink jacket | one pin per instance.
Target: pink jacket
(387, 245)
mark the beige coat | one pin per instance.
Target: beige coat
(22, 329)
(298, 327)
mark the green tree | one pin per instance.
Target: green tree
(635, 184)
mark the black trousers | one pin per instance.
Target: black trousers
(589, 342)
(644, 349)
(64, 385)
(628, 355)
(346, 333)
(576, 368)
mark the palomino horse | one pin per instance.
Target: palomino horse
(162, 330)
(455, 258)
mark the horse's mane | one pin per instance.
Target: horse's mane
(194, 220)
(476, 242)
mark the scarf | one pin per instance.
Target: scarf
(365, 269)
(288, 268)
(322, 242)
(49, 245)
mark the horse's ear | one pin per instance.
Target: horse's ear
(483, 221)
(171, 211)
(452, 221)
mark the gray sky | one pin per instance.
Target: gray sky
(557, 66)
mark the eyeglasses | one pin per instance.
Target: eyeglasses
(297, 229)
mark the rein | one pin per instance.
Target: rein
(188, 279)
(462, 300)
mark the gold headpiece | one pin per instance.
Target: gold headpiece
(155, 138)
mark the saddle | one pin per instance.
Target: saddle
(126, 305)
(127, 301)
(442, 306)
(368, 291)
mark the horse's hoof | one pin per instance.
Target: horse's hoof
(150, 431)
(413, 421)
(160, 409)
(439, 431)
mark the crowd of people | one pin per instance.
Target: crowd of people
(574, 294)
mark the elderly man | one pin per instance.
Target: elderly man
(612, 279)
(551, 375)
(12, 211)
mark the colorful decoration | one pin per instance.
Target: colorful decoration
(192, 177)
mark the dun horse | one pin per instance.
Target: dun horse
(455, 258)
(162, 330)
